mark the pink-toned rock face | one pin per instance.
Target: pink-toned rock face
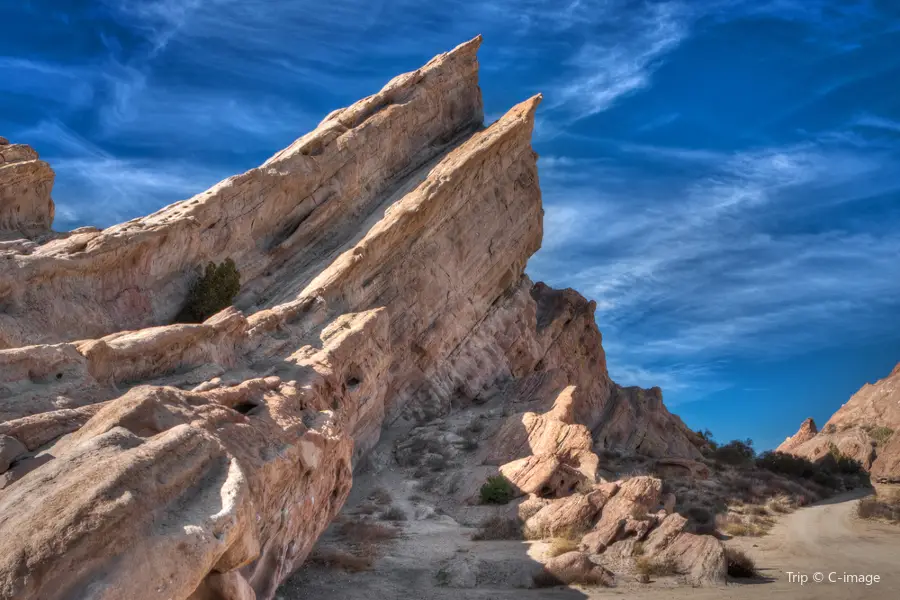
(382, 263)
(806, 432)
(26, 208)
(862, 429)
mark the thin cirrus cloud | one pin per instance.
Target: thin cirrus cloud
(720, 260)
(622, 62)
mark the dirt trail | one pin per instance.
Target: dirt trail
(825, 538)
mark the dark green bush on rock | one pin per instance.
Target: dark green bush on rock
(497, 490)
(214, 291)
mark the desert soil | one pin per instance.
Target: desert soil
(824, 538)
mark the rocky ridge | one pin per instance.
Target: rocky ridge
(864, 429)
(382, 263)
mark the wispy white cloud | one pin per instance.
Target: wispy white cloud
(728, 258)
(878, 123)
(101, 189)
(620, 61)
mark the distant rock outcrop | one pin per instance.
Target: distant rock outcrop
(382, 262)
(863, 429)
(26, 209)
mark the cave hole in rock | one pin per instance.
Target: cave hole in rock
(245, 407)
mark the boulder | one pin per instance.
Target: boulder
(565, 517)
(576, 568)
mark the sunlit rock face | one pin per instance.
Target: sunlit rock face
(382, 263)
(864, 428)
(26, 209)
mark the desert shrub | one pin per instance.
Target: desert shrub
(338, 559)
(499, 528)
(366, 508)
(758, 511)
(735, 452)
(836, 462)
(394, 513)
(436, 462)
(874, 507)
(656, 567)
(739, 564)
(881, 435)
(780, 504)
(381, 496)
(497, 490)
(361, 532)
(830, 428)
(826, 478)
(700, 520)
(699, 514)
(214, 291)
(786, 464)
(638, 549)
(561, 545)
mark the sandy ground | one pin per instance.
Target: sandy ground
(826, 538)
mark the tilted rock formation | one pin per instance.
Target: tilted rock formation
(806, 432)
(382, 263)
(26, 209)
(864, 429)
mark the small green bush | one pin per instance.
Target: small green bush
(497, 490)
(881, 435)
(735, 452)
(214, 291)
(836, 462)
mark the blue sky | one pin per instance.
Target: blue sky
(721, 176)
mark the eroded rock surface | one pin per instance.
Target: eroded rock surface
(382, 263)
(26, 209)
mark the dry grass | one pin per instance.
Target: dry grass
(366, 508)
(545, 579)
(338, 559)
(880, 507)
(361, 532)
(781, 504)
(498, 528)
(753, 523)
(394, 513)
(739, 564)
(381, 496)
(561, 545)
(656, 567)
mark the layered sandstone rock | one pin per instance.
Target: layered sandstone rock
(26, 209)
(864, 429)
(382, 263)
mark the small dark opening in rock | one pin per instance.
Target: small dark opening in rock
(59, 375)
(352, 382)
(244, 407)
